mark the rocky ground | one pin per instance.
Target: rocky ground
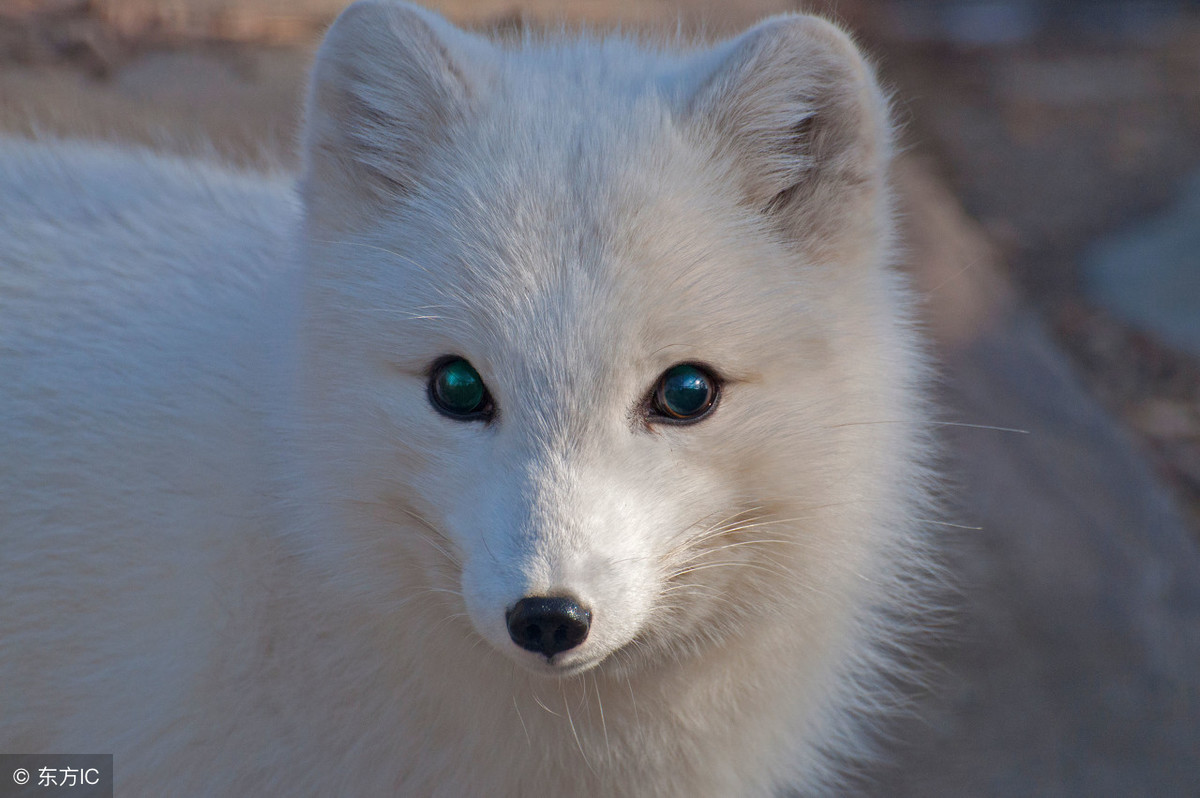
(1073, 668)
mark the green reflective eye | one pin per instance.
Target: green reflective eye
(685, 392)
(457, 390)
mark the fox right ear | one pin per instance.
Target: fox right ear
(795, 113)
(390, 82)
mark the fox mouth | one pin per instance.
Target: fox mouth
(626, 658)
(565, 664)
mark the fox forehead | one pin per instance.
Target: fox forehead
(587, 239)
(554, 295)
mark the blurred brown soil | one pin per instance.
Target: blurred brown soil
(1073, 668)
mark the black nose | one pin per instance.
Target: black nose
(548, 625)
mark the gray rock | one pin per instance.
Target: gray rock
(1150, 273)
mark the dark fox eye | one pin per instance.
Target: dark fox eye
(456, 390)
(685, 392)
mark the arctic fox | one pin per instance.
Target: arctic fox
(560, 431)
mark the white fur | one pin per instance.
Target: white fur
(240, 550)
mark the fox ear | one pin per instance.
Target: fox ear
(798, 118)
(390, 83)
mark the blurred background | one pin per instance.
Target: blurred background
(1050, 191)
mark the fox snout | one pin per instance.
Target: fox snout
(558, 605)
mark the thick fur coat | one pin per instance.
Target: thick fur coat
(243, 550)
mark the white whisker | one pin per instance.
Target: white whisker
(574, 733)
(600, 705)
(528, 739)
(947, 523)
(931, 424)
(538, 701)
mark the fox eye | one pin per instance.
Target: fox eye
(684, 393)
(456, 390)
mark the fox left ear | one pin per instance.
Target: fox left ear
(390, 83)
(799, 120)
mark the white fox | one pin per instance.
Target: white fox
(560, 432)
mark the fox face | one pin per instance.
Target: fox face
(587, 370)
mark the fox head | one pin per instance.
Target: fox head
(602, 351)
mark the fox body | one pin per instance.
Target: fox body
(252, 542)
